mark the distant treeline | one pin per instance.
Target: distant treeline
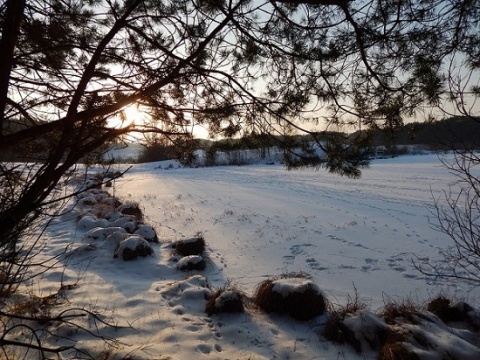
(455, 132)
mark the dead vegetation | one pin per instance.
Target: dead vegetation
(229, 299)
(403, 311)
(131, 208)
(192, 246)
(397, 351)
(402, 330)
(301, 300)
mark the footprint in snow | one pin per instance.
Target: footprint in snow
(371, 264)
(298, 249)
(312, 263)
(204, 348)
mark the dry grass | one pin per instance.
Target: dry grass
(397, 351)
(442, 307)
(102, 209)
(353, 306)
(335, 330)
(405, 311)
(131, 208)
(38, 307)
(193, 246)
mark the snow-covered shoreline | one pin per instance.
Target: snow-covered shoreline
(262, 221)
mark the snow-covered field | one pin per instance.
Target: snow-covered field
(260, 221)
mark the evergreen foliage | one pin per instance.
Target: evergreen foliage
(69, 68)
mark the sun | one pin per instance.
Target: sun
(129, 115)
(133, 114)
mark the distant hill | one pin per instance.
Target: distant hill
(455, 132)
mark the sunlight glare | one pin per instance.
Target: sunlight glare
(132, 114)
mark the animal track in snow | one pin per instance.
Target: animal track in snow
(370, 264)
(349, 243)
(299, 249)
(315, 265)
(204, 348)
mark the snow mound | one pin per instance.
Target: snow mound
(191, 292)
(289, 286)
(87, 201)
(125, 222)
(431, 338)
(100, 234)
(89, 222)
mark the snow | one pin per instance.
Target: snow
(288, 286)
(147, 232)
(260, 221)
(100, 233)
(91, 222)
(188, 262)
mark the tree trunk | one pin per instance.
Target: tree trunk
(10, 31)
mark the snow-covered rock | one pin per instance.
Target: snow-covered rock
(113, 216)
(89, 222)
(127, 222)
(87, 201)
(147, 232)
(101, 234)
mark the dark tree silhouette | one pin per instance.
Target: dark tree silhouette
(69, 68)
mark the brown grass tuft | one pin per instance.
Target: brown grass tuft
(405, 310)
(131, 208)
(335, 330)
(302, 305)
(191, 262)
(193, 246)
(397, 351)
(225, 300)
(442, 307)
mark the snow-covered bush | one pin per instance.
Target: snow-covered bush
(297, 296)
(193, 246)
(133, 247)
(225, 301)
(131, 208)
(405, 330)
(192, 262)
(360, 329)
(448, 311)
